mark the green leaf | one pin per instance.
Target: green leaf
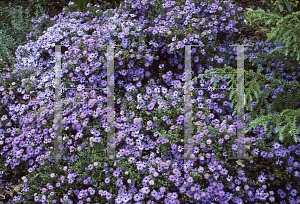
(260, 10)
(231, 94)
(256, 93)
(280, 7)
(250, 97)
(287, 6)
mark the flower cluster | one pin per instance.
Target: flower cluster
(149, 111)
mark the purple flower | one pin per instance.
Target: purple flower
(168, 121)
(261, 178)
(107, 180)
(182, 189)
(116, 174)
(255, 151)
(141, 48)
(270, 154)
(119, 182)
(276, 145)
(234, 147)
(145, 190)
(108, 196)
(162, 189)
(172, 178)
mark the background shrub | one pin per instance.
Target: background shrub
(286, 7)
(15, 24)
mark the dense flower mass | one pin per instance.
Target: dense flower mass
(149, 114)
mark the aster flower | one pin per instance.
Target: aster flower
(261, 178)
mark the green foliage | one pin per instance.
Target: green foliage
(253, 86)
(3, 12)
(6, 44)
(14, 28)
(53, 8)
(258, 26)
(286, 7)
(287, 30)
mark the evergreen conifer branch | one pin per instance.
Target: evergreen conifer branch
(288, 114)
(287, 30)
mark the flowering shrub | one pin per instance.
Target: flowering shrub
(147, 168)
